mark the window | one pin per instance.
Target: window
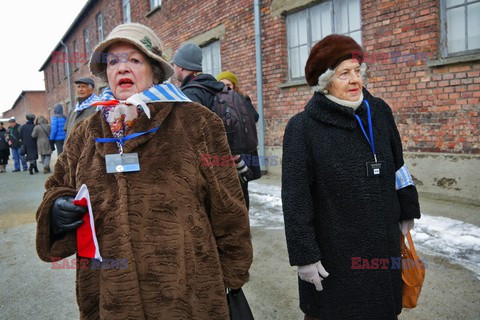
(100, 27)
(211, 62)
(126, 11)
(155, 4)
(53, 78)
(75, 54)
(58, 72)
(65, 66)
(460, 26)
(306, 27)
(87, 45)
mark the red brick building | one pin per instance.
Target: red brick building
(423, 58)
(29, 101)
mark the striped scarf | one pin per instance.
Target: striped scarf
(86, 103)
(121, 115)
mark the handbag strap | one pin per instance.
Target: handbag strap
(43, 129)
(412, 246)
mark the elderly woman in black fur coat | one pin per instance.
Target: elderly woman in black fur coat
(345, 191)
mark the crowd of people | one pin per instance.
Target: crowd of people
(183, 227)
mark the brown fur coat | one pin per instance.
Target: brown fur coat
(182, 227)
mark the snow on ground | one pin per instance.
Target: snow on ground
(455, 240)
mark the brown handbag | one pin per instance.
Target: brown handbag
(413, 273)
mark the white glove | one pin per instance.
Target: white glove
(406, 225)
(312, 272)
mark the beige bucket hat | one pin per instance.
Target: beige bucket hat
(138, 35)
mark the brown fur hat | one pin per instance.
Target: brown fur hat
(328, 53)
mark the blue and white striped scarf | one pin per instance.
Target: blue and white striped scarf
(86, 103)
(166, 92)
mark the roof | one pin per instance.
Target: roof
(70, 29)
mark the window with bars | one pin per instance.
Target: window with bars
(126, 11)
(75, 53)
(100, 27)
(155, 4)
(306, 27)
(53, 78)
(58, 72)
(211, 60)
(86, 38)
(460, 27)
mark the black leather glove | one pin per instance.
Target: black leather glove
(65, 215)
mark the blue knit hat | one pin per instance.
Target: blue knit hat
(189, 56)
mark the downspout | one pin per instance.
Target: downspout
(258, 63)
(67, 65)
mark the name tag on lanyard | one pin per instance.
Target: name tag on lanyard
(125, 162)
(376, 168)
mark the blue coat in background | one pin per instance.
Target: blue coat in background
(58, 124)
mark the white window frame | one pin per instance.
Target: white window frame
(126, 11)
(211, 58)
(155, 4)
(100, 27)
(334, 6)
(444, 10)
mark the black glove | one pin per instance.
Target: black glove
(244, 172)
(65, 215)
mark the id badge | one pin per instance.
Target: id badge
(376, 169)
(125, 162)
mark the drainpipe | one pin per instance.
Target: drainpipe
(258, 62)
(67, 65)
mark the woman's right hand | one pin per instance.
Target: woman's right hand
(312, 272)
(65, 215)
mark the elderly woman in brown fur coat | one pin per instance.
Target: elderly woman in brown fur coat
(179, 229)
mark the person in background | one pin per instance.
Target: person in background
(4, 149)
(30, 143)
(345, 191)
(83, 109)
(251, 160)
(15, 143)
(41, 133)
(182, 228)
(57, 133)
(187, 65)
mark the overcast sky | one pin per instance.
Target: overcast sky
(30, 30)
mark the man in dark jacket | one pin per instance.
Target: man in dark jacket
(188, 70)
(85, 98)
(15, 142)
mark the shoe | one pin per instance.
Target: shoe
(46, 169)
(30, 169)
(35, 168)
(18, 170)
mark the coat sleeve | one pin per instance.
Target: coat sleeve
(53, 131)
(226, 206)
(35, 132)
(297, 201)
(61, 183)
(408, 196)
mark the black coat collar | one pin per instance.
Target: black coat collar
(324, 110)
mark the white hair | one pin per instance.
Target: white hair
(325, 79)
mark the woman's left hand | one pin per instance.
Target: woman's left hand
(406, 225)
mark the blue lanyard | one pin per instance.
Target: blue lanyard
(121, 141)
(371, 142)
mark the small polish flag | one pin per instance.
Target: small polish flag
(87, 244)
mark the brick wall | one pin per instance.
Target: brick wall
(436, 108)
(31, 102)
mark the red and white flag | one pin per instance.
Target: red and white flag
(87, 244)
